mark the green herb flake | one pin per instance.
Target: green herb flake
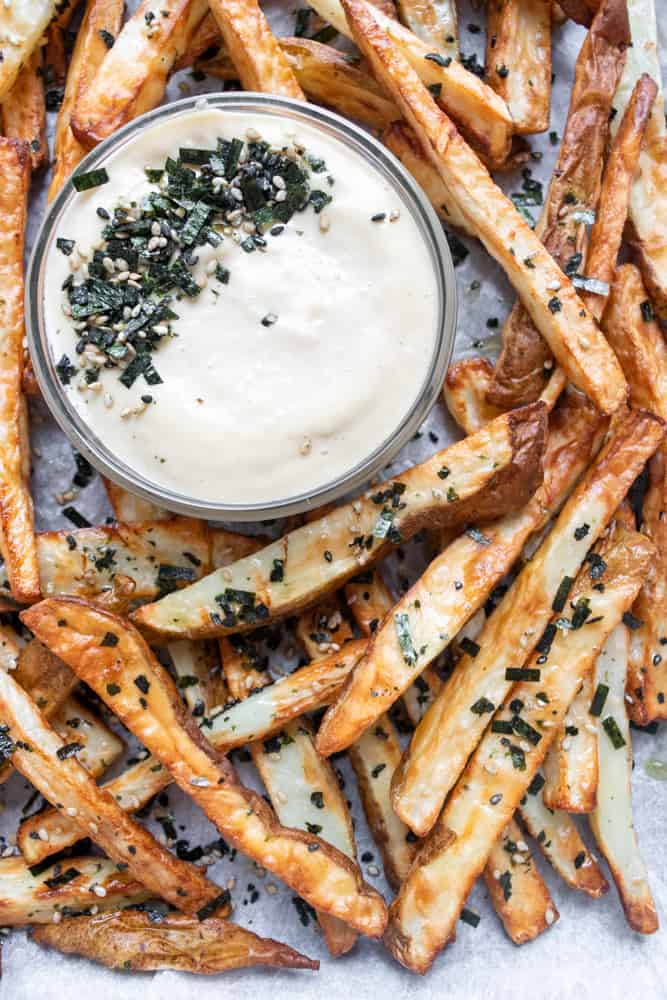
(402, 626)
(599, 699)
(91, 179)
(612, 730)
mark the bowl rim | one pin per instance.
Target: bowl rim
(110, 464)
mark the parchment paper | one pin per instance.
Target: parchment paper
(590, 953)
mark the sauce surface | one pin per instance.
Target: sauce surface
(251, 411)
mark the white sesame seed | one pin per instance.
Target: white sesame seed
(325, 222)
(200, 782)
(373, 870)
(211, 266)
(394, 215)
(156, 229)
(279, 182)
(43, 834)
(281, 797)
(281, 196)
(71, 811)
(99, 890)
(306, 446)
(57, 917)
(549, 916)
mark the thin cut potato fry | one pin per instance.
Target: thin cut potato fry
(574, 189)
(423, 916)
(482, 116)
(518, 60)
(464, 392)
(254, 49)
(571, 333)
(24, 110)
(457, 719)
(448, 593)
(100, 747)
(560, 842)
(23, 24)
(648, 200)
(434, 21)
(611, 821)
(51, 766)
(69, 886)
(517, 890)
(126, 675)
(489, 472)
(133, 74)
(16, 511)
(134, 940)
(571, 766)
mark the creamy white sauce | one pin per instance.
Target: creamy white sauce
(249, 413)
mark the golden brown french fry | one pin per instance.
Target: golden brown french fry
(128, 507)
(611, 821)
(518, 60)
(16, 512)
(72, 886)
(423, 916)
(55, 57)
(560, 842)
(448, 593)
(46, 679)
(100, 747)
(526, 358)
(24, 110)
(571, 766)
(51, 766)
(126, 675)
(464, 392)
(134, 940)
(199, 676)
(204, 38)
(133, 74)
(561, 319)
(648, 201)
(496, 469)
(517, 890)
(23, 24)
(254, 49)
(460, 714)
(434, 21)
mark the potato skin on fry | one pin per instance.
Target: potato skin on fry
(130, 939)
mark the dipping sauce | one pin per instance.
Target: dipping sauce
(240, 322)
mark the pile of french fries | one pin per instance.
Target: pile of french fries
(531, 641)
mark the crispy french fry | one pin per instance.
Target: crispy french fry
(16, 513)
(611, 821)
(488, 472)
(55, 57)
(648, 200)
(560, 842)
(46, 679)
(129, 679)
(561, 319)
(517, 890)
(571, 766)
(464, 392)
(205, 38)
(423, 916)
(574, 189)
(134, 940)
(133, 74)
(50, 765)
(74, 885)
(518, 60)
(434, 21)
(460, 714)
(480, 113)
(100, 747)
(447, 594)
(23, 24)
(254, 49)
(24, 110)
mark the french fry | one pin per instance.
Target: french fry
(323, 629)
(561, 319)
(517, 890)
(50, 765)
(611, 821)
(128, 507)
(100, 747)
(436, 607)
(560, 842)
(571, 766)
(460, 714)
(464, 392)
(648, 200)
(519, 374)
(152, 709)
(75, 885)
(488, 472)
(518, 60)
(254, 49)
(23, 24)
(16, 512)
(580, 11)
(24, 110)
(44, 677)
(423, 916)
(481, 115)
(198, 675)
(204, 38)
(434, 21)
(134, 940)
(133, 74)
(55, 57)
